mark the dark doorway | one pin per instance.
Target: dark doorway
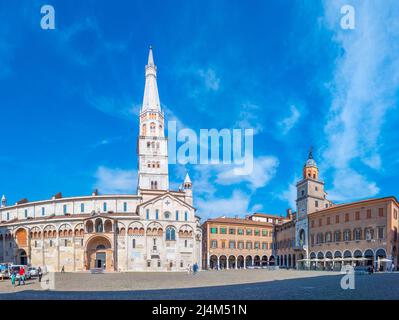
(22, 258)
(100, 259)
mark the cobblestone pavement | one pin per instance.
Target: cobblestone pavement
(232, 284)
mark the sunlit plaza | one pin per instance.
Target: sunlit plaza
(227, 284)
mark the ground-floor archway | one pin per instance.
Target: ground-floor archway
(248, 261)
(222, 262)
(380, 257)
(232, 262)
(264, 261)
(240, 262)
(257, 261)
(271, 261)
(213, 262)
(22, 257)
(99, 254)
(369, 256)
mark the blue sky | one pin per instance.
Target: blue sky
(69, 97)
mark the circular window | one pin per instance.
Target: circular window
(167, 215)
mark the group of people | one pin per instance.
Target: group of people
(193, 269)
(20, 275)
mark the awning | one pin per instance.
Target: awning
(384, 260)
(304, 260)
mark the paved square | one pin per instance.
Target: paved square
(227, 284)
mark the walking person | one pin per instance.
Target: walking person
(195, 268)
(40, 274)
(62, 269)
(13, 276)
(21, 276)
(188, 269)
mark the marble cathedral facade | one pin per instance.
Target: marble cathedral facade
(156, 229)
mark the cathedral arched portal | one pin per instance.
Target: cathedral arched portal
(99, 254)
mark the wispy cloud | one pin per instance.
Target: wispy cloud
(248, 117)
(289, 122)
(210, 79)
(236, 204)
(198, 80)
(87, 31)
(115, 180)
(290, 194)
(264, 169)
(121, 106)
(364, 87)
(104, 142)
(350, 184)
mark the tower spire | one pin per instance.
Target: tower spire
(150, 58)
(310, 153)
(151, 96)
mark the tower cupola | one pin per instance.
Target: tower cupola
(310, 169)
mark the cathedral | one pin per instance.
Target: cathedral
(156, 229)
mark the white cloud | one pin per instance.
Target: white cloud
(248, 118)
(349, 183)
(257, 207)
(115, 181)
(288, 123)
(211, 80)
(264, 169)
(290, 194)
(237, 204)
(121, 107)
(364, 87)
(199, 80)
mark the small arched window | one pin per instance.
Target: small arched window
(152, 128)
(170, 234)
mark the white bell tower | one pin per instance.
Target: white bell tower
(152, 143)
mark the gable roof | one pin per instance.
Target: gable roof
(167, 193)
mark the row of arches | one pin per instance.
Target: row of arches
(67, 231)
(49, 231)
(99, 225)
(152, 129)
(347, 254)
(239, 262)
(153, 164)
